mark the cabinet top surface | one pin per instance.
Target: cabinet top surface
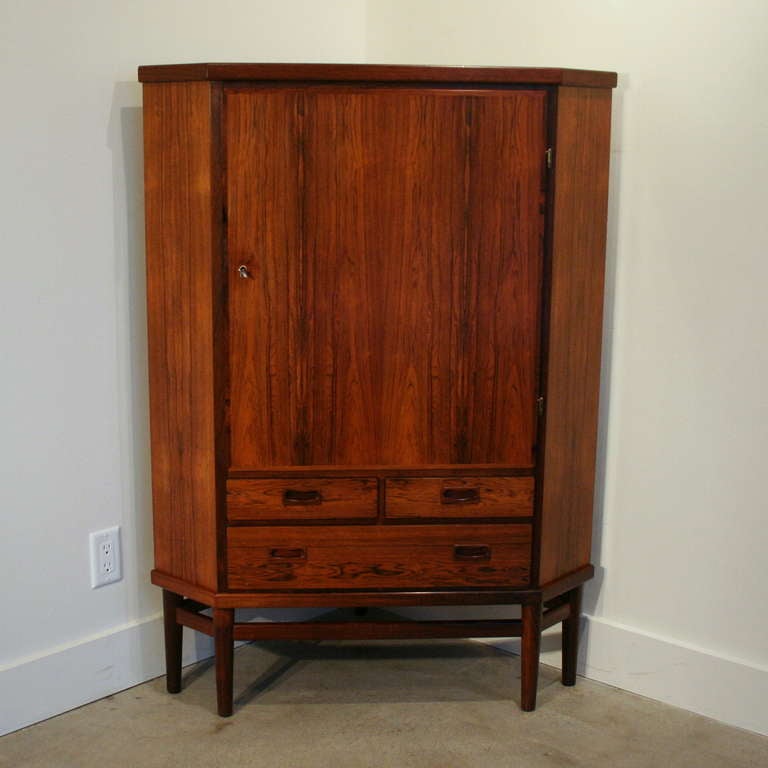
(387, 73)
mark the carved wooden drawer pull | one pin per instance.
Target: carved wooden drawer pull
(463, 552)
(288, 553)
(293, 497)
(460, 496)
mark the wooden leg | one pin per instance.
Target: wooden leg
(223, 630)
(571, 637)
(173, 634)
(531, 643)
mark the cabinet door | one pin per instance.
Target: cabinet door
(392, 239)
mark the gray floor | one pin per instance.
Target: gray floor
(444, 704)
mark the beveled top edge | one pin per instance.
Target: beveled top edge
(377, 73)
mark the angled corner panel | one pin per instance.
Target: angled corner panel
(182, 245)
(582, 151)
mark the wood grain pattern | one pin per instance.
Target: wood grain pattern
(223, 626)
(568, 582)
(502, 294)
(377, 73)
(424, 497)
(554, 616)
(181, 246)
(283, 598)
(264, 234)
(384, 187)
(530, 652)
(394, 250)
(195, 621)
(368, 381)
(575, 328)
(378, 557)
(383, 470)
(338, 498)
(181, 587)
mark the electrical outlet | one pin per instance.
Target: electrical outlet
(106, 564)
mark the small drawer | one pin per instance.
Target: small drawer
(302, 499)
(430, 497)
(378, 557)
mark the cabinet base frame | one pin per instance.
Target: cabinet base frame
(559, 601)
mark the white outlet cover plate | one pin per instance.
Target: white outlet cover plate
(98, 575)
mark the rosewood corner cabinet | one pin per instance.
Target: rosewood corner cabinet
(374, 308)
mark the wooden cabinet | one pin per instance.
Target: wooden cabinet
(374, 314)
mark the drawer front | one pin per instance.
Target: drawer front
(431, 497)
(378, 557)
(302, 499)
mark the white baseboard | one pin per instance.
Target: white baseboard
(730, 690)
(65, 678)
(733, 691)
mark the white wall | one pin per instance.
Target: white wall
(73, 399)
(678, 609)
(681, 531)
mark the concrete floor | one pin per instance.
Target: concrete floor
(424, 704)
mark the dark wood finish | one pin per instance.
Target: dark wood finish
(529, 656)
(195, 621)
(300, 498)
(223, 634)
(570, 653)
(379, 557)
(428, 497)
(565, 583)
(501, 299)
(174, 584)
(327, 630)
(276, 598)
(391, 312)
(383, 470)
(187, 604)
(377, 73)
(361, 280)
(370, 630)
(555, 616)
(575, 328)
(390, 205)
(330, 630)
(180, 201)
(267, 330)
(376, 630)
(173, 641)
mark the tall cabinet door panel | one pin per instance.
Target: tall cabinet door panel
(505, 239)
(391, 240)
(385, 236)
(264, 237)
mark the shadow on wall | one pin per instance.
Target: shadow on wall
(125, 142)
(592, 589)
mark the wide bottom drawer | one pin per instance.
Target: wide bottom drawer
(378, 557)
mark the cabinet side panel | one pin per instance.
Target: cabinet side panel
(180, 242)
(575, 328)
